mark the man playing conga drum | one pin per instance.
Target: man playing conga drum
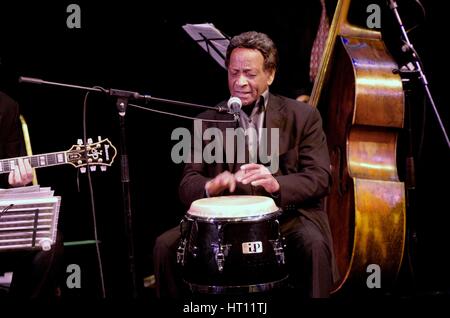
(298, 185)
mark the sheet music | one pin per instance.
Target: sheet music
(21, 193)
(28, 218)
(210, 39)
(32, 188)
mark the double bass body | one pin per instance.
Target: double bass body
(362, 105)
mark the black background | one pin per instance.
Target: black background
(140, 46)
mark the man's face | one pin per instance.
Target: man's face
(247, 78)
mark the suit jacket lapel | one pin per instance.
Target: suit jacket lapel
(276, 117)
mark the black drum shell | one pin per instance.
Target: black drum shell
(203, 236)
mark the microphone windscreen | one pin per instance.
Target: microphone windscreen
(234, 104)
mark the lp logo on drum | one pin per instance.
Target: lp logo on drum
(252, 247)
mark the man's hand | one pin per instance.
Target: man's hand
(303, 98)
(22, 174)
(216, 186)
(257, 175)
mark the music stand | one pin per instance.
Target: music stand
(28, 218)
(210, 39)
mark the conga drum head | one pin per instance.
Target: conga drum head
(233, 207)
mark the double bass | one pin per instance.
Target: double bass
(362, 105)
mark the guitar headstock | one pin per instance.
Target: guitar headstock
(100, 153)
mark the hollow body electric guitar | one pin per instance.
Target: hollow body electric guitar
(93, 154)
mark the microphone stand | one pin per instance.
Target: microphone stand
(414, 67)
(123, 98)
(122, 104)
(409, 47)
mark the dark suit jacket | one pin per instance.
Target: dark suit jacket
(10, 133)
(304, 164)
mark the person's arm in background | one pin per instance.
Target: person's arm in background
(10, 144)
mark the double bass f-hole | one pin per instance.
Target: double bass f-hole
(338, 170)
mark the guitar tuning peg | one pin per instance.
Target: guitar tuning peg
(83, 169)
(103, 168)
(93, 168)
(89, 141)
(79, 141)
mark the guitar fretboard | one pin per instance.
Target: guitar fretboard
(37, 161)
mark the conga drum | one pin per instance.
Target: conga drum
(232, 244)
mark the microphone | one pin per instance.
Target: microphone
(234, 106)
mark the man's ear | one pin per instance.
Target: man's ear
(271, 77)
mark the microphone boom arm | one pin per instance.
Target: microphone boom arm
(120, 93)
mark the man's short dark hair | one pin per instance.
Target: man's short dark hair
(258, 41)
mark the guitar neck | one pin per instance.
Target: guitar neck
(37, 161)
